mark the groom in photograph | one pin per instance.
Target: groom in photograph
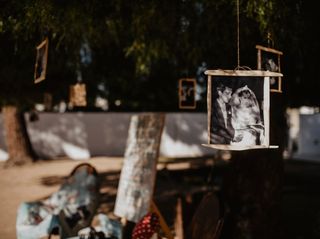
(221, 131)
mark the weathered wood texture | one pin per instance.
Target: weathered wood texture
(138, 173)
(178, 224)
(252, 185)
(16, 137)
(242, 73)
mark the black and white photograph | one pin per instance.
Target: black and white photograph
(238, 109)
(187, 93)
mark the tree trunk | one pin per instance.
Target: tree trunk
(253, 186)
(16, 137)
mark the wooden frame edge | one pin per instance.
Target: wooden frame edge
(44, 71)
(252, 73)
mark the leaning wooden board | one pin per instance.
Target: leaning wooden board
(138, 173)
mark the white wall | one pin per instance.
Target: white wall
(3, 152)
(183, 135)
(81, 135)
(309, 138)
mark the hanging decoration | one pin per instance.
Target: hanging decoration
(187, 93)
(238, 104)
(78, 94)
(40, 68)
(47, 101)
(268, 59)
(238, 109)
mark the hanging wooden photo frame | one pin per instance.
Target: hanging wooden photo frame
(40, 68)
(268, 59)
(187, 93)
(47, 101)
(238, 109)
(78, 95)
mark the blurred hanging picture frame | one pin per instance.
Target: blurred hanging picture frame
(47, 101)
(238, 109)
(78, 95)
(268, 59)
(40, 68)
(187, 93)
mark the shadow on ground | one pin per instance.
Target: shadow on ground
(301, 199)
(300, 204)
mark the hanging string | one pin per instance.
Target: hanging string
(238, 41)
(238, 34)
(270, 40)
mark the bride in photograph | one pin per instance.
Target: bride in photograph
(246, 118)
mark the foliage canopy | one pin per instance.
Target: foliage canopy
(136, 51)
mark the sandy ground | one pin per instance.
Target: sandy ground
(37, 181)
(300, 206)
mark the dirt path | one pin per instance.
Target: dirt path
(301, 191)
(33, 182)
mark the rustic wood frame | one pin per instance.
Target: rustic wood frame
(41, 61)
(78, 95)
(266, 104)
(278, 54)
(188, 80)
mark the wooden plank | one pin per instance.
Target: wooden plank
(259, 59)
(266, 111)
(178, 224)
(238, 148)
(164, 226)
(269, 49)
(138, 173)
(209, 104)
(220, 72)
